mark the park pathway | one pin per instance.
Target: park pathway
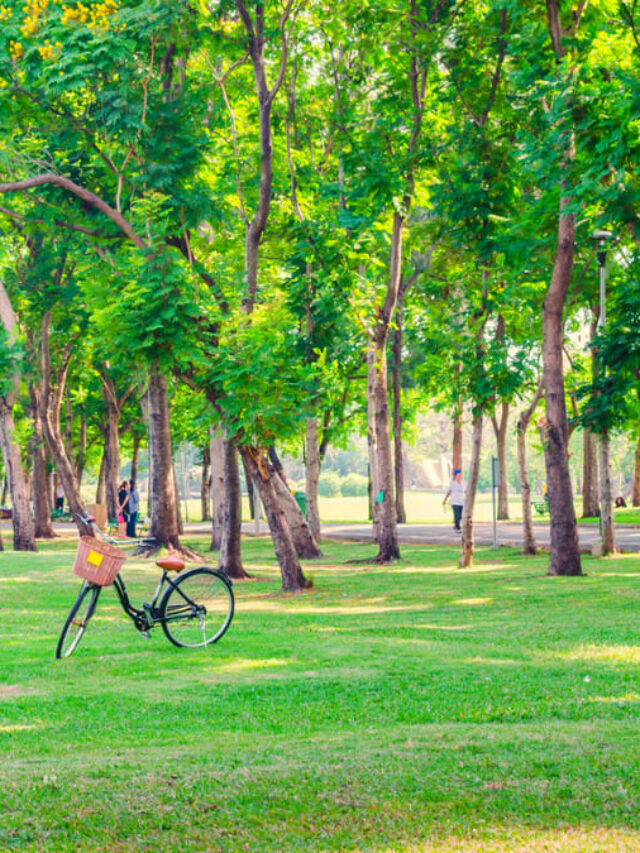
(508, 533)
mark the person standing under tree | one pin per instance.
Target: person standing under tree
(456, 490)
(134, 506)
(123, 510)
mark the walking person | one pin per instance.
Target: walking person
(134, 507)
(456, 490)
(123, 509)
(59, 497)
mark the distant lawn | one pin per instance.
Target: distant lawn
(406, 708)
(627, 515)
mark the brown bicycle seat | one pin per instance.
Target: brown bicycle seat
(171, 563)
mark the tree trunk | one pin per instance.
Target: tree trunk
(81, 454)
(176, 494)
(23, 530)
(312, 478)
(590, 507)
(263, 473)
(635, 498)
(101, 490)
(304, 543)
(401, 514)
(606, 496)
(217, 457)
(467, 543)
(135, 457)
(162, 492)
(456, 454)
(500, 431)
(41, 509)
(250, 490)
(389, 548)
(372, 441)
(525, 488)
(205, 487)
(564, 555)
(112, 450)
(230, 546)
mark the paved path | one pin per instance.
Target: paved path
(509, 533)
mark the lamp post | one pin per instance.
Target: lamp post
(606, 497)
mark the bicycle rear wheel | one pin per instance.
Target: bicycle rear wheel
(77, 620)
(197, 610)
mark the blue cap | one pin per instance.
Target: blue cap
(457, 471)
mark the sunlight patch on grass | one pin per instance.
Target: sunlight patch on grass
(348, 608)
(607, 654)
(473, 601)
(515, 839)
(245, 664)
(18, 728)
(453, 569)
(616, 700)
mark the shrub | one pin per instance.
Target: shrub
(329, 484)
(354, 485)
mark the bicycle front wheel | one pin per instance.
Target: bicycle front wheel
(77, 620)
(197, 610)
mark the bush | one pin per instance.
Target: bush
(354, 485)
(329, 484)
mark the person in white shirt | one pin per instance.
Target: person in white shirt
(456, 490)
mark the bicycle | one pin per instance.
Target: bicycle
(195, 610)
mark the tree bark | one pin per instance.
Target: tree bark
(606, 495)
(112, 453)
(467, 539)
(372, 441)
(217, 456)
(389, 548)
(205, 487)
(41, 508)
(635, 498)
(500, 431)
(564, 555)
(230, 546)
(263, 473)
(590, 507)
(162, 492)
(303, 541)
(101, 489)
(23, 529)
(401, 514)
(456, 453)
(525, 488)
(135, 457)
(50, 402)
(312, 478)
(250, 490)
(178, 504)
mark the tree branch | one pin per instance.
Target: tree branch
(85, 195)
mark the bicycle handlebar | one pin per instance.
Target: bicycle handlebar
(90, 519)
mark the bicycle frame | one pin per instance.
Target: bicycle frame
(147, 616)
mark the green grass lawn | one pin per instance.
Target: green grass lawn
(406, 708)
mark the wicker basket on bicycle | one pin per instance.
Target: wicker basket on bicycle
(98, 562)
